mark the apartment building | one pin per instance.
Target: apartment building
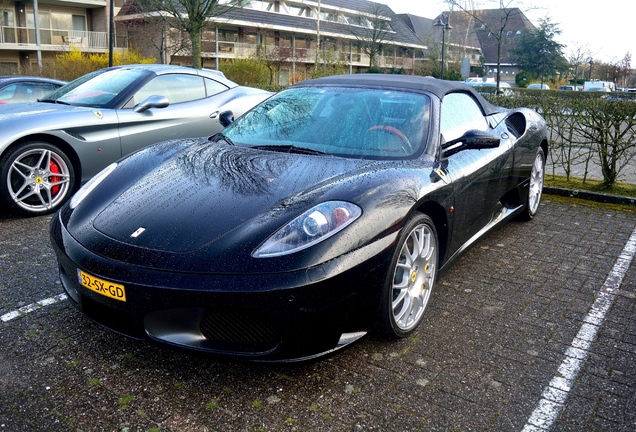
(33, 32)
(295, 34)
(461, 45)
(497, 32)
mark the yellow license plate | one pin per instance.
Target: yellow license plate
(101, 286)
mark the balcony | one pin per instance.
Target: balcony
(52, 39)
(230, 50)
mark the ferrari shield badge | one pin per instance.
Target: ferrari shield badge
(98, 114)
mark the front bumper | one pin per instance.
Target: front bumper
(271, 317)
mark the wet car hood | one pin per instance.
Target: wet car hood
(209, 191)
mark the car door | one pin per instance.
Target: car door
(481, 177)
(188, 114)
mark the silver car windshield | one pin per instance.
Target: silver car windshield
(96, 89)
(351, 122)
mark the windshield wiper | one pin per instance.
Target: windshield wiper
(220, 137)
(289, 149)
(55, 101)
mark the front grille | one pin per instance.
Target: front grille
(240, 330)
(110, 318)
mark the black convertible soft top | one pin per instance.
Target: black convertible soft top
(438, 87)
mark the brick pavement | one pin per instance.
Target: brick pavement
(497, 329)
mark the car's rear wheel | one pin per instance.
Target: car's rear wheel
(535, 187)
(410, 279)
(35, 178)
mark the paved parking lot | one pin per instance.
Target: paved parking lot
(533, 329)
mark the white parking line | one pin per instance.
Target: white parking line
(32, 307)
(556, 393)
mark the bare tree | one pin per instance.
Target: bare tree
(274, 54)
(374, 31)
(578, 58)
(496, 28)
(187, 16)
(151, 35)
(625, 68)
(607, 71)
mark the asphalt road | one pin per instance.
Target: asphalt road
(533, 329)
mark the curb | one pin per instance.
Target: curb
(592, 196)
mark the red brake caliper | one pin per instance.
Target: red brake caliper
(53, 179)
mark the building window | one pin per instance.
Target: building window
(8, 18)
(259, 5)
(329, 16)
(358, 20)
(297, 11)
(8, 29)
(228, 35)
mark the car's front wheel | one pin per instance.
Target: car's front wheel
(35, 178)
(411, 276)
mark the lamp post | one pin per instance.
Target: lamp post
(318, 34)
(590, 62)
(111, 32)
(442, 22)
(543, 51)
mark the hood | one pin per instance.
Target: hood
(25, 109)
(209, 191)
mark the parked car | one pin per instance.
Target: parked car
(19, 88)
(326, 211)
(539, 87)
(477, 80)
(49, 148)
(601, 86)
(598, 89)
(504, 87)
(568, 87)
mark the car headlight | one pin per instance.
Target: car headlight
(311, 227)
(92, 184)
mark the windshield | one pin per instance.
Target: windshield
(96, 89)
(350, 122)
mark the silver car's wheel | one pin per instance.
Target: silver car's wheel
(412, 275)
(535, 186)
(37, 178)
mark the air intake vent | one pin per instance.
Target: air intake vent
(516, 124)
(240, 330)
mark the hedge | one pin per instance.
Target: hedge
(584, 127)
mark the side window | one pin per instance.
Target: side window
(214, 87)
(25, 92)
(460, 113)
(176, 87)
(39, 90)
(7, 92)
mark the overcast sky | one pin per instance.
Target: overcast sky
(607, 29)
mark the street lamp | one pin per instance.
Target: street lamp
(111, 32)
(590, 62)
(442, 22)
(543, 51)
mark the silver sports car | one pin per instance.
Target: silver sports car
(49, 148)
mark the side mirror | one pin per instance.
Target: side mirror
(226, 118)
(475, 139)
(155, 101)
(471, 140)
